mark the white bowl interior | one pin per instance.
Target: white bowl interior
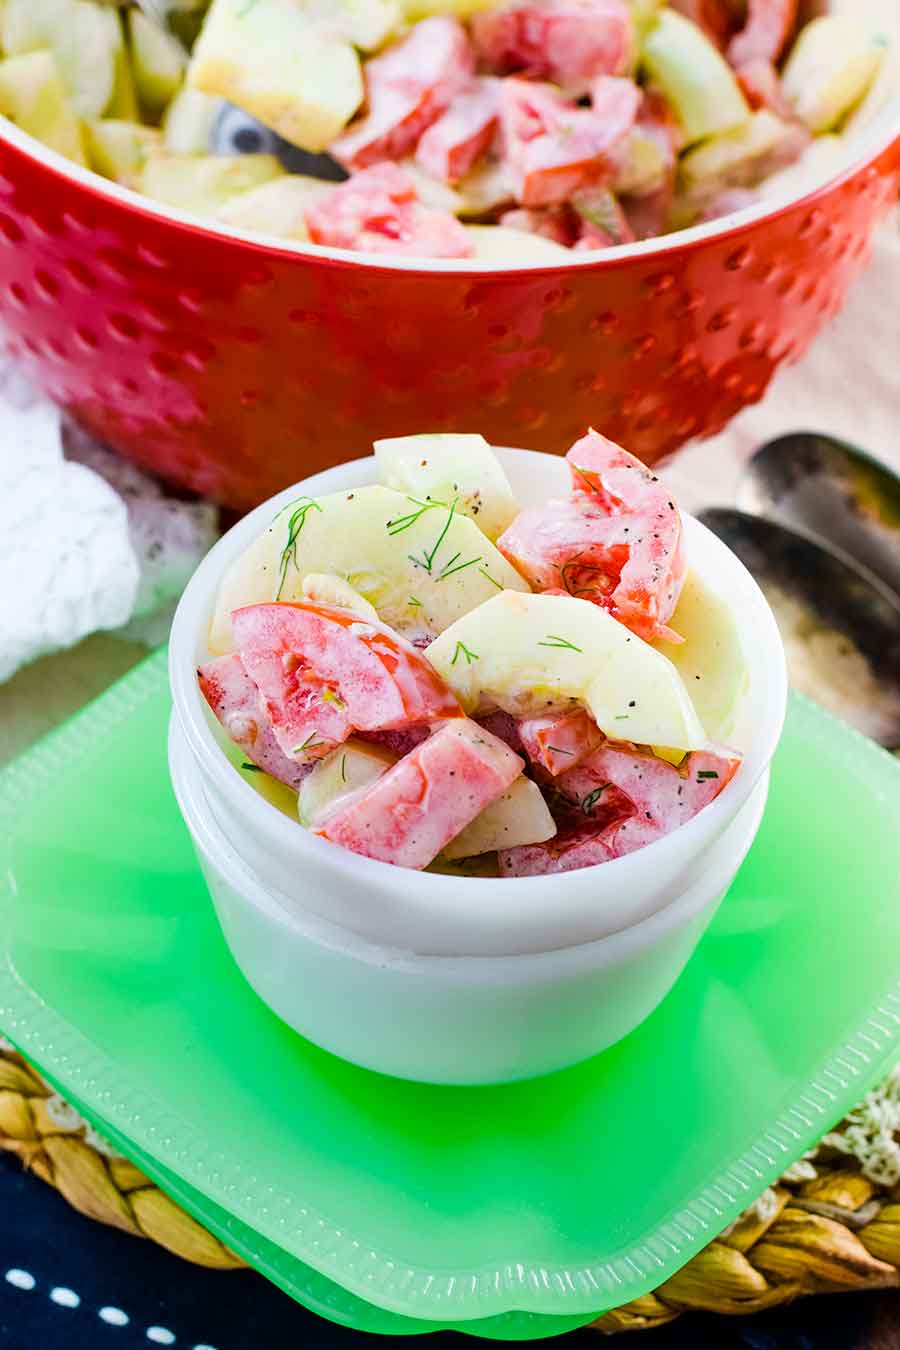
(457, 915)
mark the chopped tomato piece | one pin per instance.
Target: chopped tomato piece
(617, 541)
(324, 674)
(407, 88)
(761, 85)
(239, 706)
(579, 841)
(765, 35)
(553, 147)
(559, 742)
(423, 802)
(453, 144)
(616, 801)
(558, 223)
(715, 17)
(664, 796)
(566, 41)
(377, 210)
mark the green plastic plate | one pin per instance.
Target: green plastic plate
(563, 1196)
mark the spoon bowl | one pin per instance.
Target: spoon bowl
(826, 489)
(839, 624)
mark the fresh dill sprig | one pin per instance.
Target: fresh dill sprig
(251, 768)
(329, 696)
(310, 743)
(343, 768)
(414, 603)
(402, 523)
(296, 522)
(706, 773)
(592, 798)
(427, 559)
(553, 641)
(463, 650)
(460, 567)
(485, 573)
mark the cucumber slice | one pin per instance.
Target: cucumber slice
(423, 9)
(204, 183)
(158, 62)
(831, 67)
(420, 566)
(277, 207)
(536, 653)
(711, 658)
(346, 771)
(520, 816)
(449, 468)
(328, 590)
(274, 61)
(642, 166)
(33, 96)
(188, 122)
(123, 103)
(694, 76)
(86, 41)
(485, 189)
(119, 150)
(729, 159)
(499, 244)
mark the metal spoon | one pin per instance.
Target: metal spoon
(829, 490)
(840, 625)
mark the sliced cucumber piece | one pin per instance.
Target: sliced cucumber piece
(204, 183)
(33, 96)
(447, 468)
(119, 150)
(499, 244)
(485, 189)
(328, 590)
(355, 765)
(539, 653)
(520, 816)
(188, 122)
(278, 207)
(158, 61)
(711, 658)
(123, 103)
(642, 166)
(421, 566)
(85, 39)
(829, 70)
(423, 9)
(694, 76)
(730, 159)
(281, 66)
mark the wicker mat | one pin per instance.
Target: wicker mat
(831, 1224)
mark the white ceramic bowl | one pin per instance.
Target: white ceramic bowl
(444, 1019)
(279, 880)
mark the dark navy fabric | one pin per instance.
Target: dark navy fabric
(44, 1240)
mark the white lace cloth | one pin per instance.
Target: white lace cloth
(87, 542)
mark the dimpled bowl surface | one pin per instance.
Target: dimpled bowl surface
(234, 367)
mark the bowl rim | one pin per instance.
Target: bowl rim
(862, 149)
(446, 890)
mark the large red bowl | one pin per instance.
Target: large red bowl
(235, 367)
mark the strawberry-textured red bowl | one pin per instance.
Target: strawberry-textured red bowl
(234, 366)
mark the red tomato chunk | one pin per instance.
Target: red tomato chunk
(765, 34)
(617, 541)
(453, 144)
(557, 743)
(377, 210)
(407, 88)
(423, 802)
(553, 147)
(238, 705)
(566, 41)
(323, 674)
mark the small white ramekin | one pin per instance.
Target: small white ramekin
(459, 979)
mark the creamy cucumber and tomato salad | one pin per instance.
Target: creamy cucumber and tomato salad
(508, 130)
(426, 674)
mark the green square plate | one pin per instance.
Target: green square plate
(563, 1196)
